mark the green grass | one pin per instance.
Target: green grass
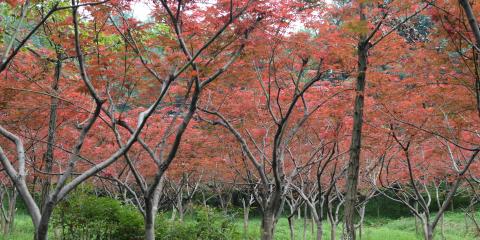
(374, 229)
(23, 228)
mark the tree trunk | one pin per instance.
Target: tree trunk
(472, 20)
(333, 230)
(41, 232)
(428, 231)
(204, 200)
(305, 223)
(151, 207)
(291, 226)
(416, 218)
(268, 225)
(439, 205)
(181, 211)
(319, 230)
(246, 211)
(273, 208)
(8, 217)
(360, 224)
(149, 220)
(331, 219)
(174, 213)
(12, 202)
(52, 124)
(4, 216)
(355, 147)
(312, 227)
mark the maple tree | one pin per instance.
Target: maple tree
(98, 80)
(321, 105)
(292, 93)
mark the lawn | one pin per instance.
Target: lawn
(376, 229)
(381, 229)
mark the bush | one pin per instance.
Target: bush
(206, 223)
(85, 216)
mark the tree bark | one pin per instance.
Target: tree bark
(181, 210)
(268, 225)
(333, 230)
(472, 20)
(151, 208)
(273, 209)
(149, 220)
(355, 147)
(305, 215)
(291, 222)
(10, 215)
(360, 224)
(174, 213)
(246, 211)
(319, 230)
(428, 231)
(51, 133)
(354, 163)
(331, 219)
(41, 232)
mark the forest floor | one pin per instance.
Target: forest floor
(455, 228)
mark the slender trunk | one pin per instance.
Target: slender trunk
(331, 219)
(151, 207)
(204, 200)
(181, 211)
(305, 223)
(428, 231)
(416, 217)
(268, 225)
(246, 211)
(49, 157)
(3, 214)
(222, 202)
(360, 224)
(149, 220)
(319, 230)
(471, 212)
(174, 213)
(41, 232)
(316, 220)
(291, 226)
(439, 205)
(472, 20)
(8, 217)
(12, 202)
(312, 226)
(354, 162)
(333, 231)
(227, 201)
(442, 226)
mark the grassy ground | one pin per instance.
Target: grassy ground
(23, 228)
(375, 229)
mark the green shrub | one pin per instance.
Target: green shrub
(206, 223)
(85, 216)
